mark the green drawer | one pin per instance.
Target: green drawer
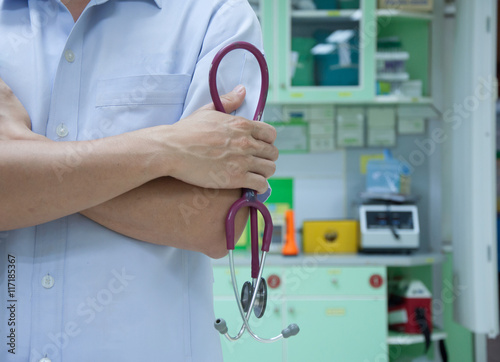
(224, 287)
(330, 281)
(338, 331)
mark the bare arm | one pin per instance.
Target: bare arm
(116, 166)
(167, 211)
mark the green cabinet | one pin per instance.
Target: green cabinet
(338, 330)
(345, 73)
(341, 312)
(340, 71)
(345, 68)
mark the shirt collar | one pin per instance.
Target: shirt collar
(159, 3)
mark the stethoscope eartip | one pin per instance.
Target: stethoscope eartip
(291, 330)
(220, 325)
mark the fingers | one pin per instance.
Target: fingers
(258, 173)
(267, 151)
(265, 168)
(231, 101)
(238, 152)
(264, 132)
(256, 182)
(262, 139)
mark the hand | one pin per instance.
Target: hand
(15, 123)
(215, 150)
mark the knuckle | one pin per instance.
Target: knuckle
(267, 132)
(273, 133)
(241, 122)
(273, 168)
(274, 153)
(245, 144)
(270, 170)
(225, 98)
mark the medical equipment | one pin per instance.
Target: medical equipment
(389, 228)
(253, 294)
(410, 309)
(290, 247)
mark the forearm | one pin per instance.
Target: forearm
(170, 212)
(110, 180)
(42, 181)
(164, 211)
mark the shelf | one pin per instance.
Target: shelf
(392, 99)
(404, 14)
(373, 197)
(393, 77)
(243, 258)
(378, 100)
(396, 55)
(354, 15)
(407, 339)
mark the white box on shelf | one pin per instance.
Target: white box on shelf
(412, 88)
(409, 5)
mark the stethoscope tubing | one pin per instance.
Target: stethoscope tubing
(246, 317)
(212, 82)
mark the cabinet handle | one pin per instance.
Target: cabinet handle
(291, 310)
(283, 86)
(276, 310)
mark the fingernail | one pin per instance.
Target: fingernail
(239, 89)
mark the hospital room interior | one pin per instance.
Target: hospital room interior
(384, 204)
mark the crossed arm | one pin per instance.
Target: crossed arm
(148, 184)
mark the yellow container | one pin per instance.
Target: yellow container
(330, 236)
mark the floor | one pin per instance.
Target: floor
(494, 345)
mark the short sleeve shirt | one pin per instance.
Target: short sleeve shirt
(72, 290)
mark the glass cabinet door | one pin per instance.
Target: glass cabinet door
(326, 50)
(266, 13)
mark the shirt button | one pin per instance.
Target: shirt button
(47, 282)
(69, 55)
(62, 130)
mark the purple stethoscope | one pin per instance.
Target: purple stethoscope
(253, 294)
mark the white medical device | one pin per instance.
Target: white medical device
(389, 228)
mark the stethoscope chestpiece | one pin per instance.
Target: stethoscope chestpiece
(260, 300)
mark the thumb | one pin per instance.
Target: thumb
(230, 101)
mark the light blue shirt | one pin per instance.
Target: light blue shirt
(71, 289)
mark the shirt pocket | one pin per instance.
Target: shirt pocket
(130, 103)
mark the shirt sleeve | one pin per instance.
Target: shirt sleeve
(232, 20)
